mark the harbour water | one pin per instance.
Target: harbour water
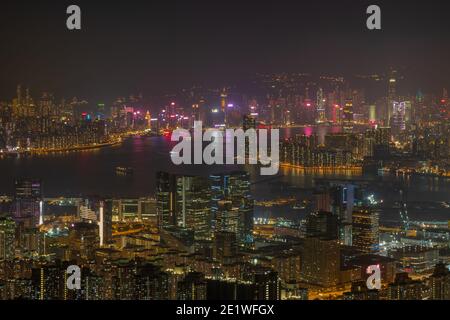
(93, 172)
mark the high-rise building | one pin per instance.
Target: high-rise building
(192, 287)
(234, 189)
(193, 205)
(405, 288)
(321, 262)
(225, 247)
(92, 286)
(267, 285)
(83, 240)
(365, 229)
(227, 217)
(392, 93)
(7, 235)
(322, 224)
(48, 282)
(105, 222)
(440, 283)
(165, 199)
(184, 202)
(320, 107)
(151, 283)
(342, 201)
(398, 116)
(348, 111)
(28, 206)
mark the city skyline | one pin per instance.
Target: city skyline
(239, 151)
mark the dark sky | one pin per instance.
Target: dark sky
(151, 46)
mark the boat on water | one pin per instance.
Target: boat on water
(124, 171)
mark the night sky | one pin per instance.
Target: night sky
(154, 46)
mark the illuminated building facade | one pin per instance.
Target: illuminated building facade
(7, 239)
(27, 202)
(365, 229)
(232, 201)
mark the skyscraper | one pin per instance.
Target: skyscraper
(405, 288)
(193, 207)
(365, 230)
(165, 199)
(105, 222)
(348, 111)
(440, 283)
(234, 188)
(342, 201)
(392, 93)
(320, 107)
(322, 224)
(192, 287)
(267, 285)
(7, 234)
(321, 262)
(184, 202)
(27, 202)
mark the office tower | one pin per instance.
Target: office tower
(7, 238)
(440, 283)
(322, 200)
(225, 247)
(307, 112)
(288, 265)
(416, 258)
(322, 224)
(321, 262)
(32, 241)
(193, 205)
(398, 116)
(28, 206)
(348, 111)
(381, 149)
(134, 209)
(223, 100)
(233, 187)
(184, 202)
(392, 93)
(372, 113)
(320, 107)
(147, 209)
(404, 288)
(83, 240)
(342, 199)
(192, 287)
(368, 143)
(165, 199)
(227, 217)
(365, 230)
(105, 222)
